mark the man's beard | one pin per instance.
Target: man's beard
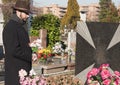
(23, 19)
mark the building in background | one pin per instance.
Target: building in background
(88, 12)
(91, 11)
(83, 13)
(56, 10)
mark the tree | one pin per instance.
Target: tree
(72, 15)
(49, 22)
(108, 11)
(7, 9)
(8, 1)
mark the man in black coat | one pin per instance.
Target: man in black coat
(18, 54)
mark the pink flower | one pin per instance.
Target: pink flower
(93, 72)
(104, 66)
(22, 73)
(105, 74)
(117, 81)
(106, 82)
(117, 73)
(42, 82)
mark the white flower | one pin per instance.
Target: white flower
(58, 48)
(22, 73)
(32, 72)
(36, 43)
(34, 56)
(38, 40)
(32, 45)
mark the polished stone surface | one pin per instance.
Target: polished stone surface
(97, 43)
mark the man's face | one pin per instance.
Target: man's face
(24, 16)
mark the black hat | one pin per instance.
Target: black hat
(22, 5)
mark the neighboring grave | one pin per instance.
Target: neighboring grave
(97, 43)
(72, 40)
(71, 46)
(43, 37)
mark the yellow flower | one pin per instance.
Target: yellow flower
(40, 51)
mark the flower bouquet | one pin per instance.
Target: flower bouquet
(31, 79)
(58, 49)
(42, 56)
(102, 76)
(35, 45)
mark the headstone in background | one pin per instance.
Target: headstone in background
(72, 40)
(97, 43)
(43, 37)
(71, 46)
(32, 38)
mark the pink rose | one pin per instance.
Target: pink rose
(117, 73)
(93, 72)
(105, 74)
(104, 66)
(117, 81)
(106, 82)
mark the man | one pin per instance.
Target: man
(18, 54)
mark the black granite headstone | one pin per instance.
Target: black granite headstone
(97, 43)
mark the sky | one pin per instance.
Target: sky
(41, 3)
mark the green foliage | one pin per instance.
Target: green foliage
(8, 1)
(72, 15)
(108, 12)
(51, 23)
(34, 32)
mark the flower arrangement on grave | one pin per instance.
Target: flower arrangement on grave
(43, 55)
(58, 48)
(31, 79)
(39, 54)
(35, 45)
(102, 76)
(70, 52)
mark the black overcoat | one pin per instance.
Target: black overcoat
(18, 54)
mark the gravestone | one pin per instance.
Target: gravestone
(43, 37)
(71, 40)
(71, 46)
(96, 43)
